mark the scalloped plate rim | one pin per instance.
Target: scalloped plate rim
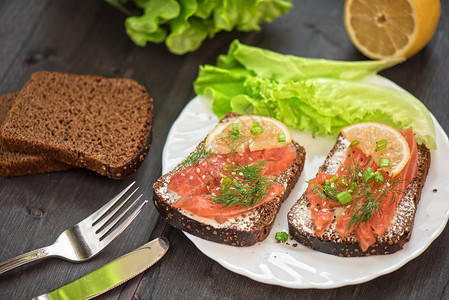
(297, 266)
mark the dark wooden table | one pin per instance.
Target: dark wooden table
(88, 37)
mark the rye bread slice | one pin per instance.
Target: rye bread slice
(17, 164)
(101, 124)
(245, 230)
(300, 218)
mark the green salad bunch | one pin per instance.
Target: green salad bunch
(184, 24)
(319, 95)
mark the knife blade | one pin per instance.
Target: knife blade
(112, 274)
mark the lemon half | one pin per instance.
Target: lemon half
(384, 28)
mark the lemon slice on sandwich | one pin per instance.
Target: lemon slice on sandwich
(381, 142)
(253, 132)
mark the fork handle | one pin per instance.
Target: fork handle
(23, 259)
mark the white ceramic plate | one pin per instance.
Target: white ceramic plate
(300, 267)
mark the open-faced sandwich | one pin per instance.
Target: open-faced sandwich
(230, 188)
(364, 197)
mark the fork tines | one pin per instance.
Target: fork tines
(107, 223)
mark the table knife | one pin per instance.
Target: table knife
(112, 274)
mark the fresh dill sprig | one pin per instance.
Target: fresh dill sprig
(246, 186)
(369, 202)
(235, 138)
(200, 154)
(325, 191)
(368, 199)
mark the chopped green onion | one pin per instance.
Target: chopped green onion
(352, 187)
(344, 197)
(281, 236)
(327, 182)
(235, 127)
(384, 162)
(381, 145)
(226, 183)
(379, 178)
(354, 143)
(256, 130)
(228, 167)
(342, 183)
(281, 137)
(368, 175)
(333, 179)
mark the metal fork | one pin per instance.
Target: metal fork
(87, 238)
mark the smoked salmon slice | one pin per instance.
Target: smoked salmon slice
(199, 183)
(203, 207)
(366, 232)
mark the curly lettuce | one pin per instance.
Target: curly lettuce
(318, 95)
(184, 24)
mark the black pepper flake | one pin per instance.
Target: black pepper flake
(435, 190)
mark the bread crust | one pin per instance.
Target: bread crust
(244, 231)
(82, 120)
(14, 164)
(394, 238)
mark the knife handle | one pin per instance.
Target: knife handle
(23, 259)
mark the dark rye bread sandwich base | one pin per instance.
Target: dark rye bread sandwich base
(245, 230)
(101, 124)
(300, 222)
(17, 164)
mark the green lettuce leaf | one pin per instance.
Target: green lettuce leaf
(325, 105)
(205, 8)
(282, 68)
(266, 11)
(221, 85)
(309, 94)
(184, 24)
(186, 33)
(142, 29)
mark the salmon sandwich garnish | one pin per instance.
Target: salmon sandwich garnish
(234, 182)
(363, 199)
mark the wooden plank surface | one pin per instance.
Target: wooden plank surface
(88, 37)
